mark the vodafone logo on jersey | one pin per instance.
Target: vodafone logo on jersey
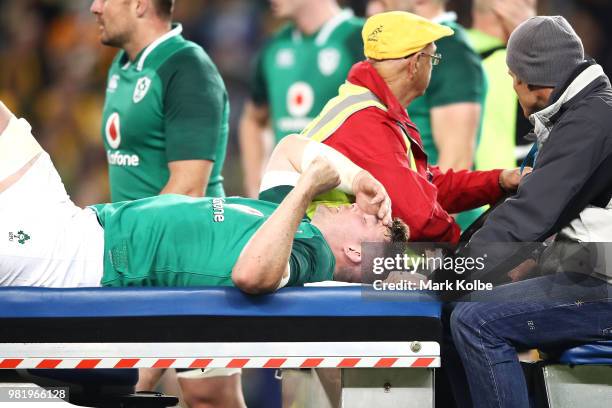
(300, 98)
(113, 131)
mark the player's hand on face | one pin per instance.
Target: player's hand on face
(372, 197)
(321, 176)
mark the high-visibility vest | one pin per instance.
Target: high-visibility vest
(351, 99)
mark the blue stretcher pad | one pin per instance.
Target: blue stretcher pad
(588, 354)
(214, 301)
(217, 326)
(224, 315)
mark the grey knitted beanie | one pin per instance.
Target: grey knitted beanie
(544, 51)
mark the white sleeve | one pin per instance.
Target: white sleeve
(278, 178)
(17, 147)
(347, 170)
(285, 279)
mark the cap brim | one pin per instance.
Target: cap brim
(439, 31)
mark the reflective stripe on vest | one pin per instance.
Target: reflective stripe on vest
(351, 99)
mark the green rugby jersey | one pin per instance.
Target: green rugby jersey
(169, 104)
(174, 240)
(297, 74)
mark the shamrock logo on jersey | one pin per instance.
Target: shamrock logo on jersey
(142, 87)
(328, 59)
(21, 237)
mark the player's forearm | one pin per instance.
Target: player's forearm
(261, 267)
(456, 158)
(188, 177)
(252, 147)
(455, 129)
(177, 188)
(298, 152)
(252, 158)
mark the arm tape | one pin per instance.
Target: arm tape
(345, 168)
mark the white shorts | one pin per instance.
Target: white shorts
(207, 373)
(45, 239)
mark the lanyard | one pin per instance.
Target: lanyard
(531, 157)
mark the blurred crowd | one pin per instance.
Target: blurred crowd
(53, 69)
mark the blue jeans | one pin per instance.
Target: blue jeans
(550, 313)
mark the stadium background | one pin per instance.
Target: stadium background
(53, 69)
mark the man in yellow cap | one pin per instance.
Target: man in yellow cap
(449, 115)
(368, 123)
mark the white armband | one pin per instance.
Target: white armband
(345, 168)
(285, 279)
(17, 147)
(277, 178)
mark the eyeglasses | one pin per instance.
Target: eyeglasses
(435, 58)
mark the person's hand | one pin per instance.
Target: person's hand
(510, 179)
(320, 177)
(512, 13)
(522, 271)
(372, 197)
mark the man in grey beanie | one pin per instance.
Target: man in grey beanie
(568, 195)
(544, 51)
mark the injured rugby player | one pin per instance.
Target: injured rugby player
(173, 240)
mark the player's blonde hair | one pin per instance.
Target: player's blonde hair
(398, 231)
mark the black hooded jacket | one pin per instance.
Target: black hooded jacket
(573, 171)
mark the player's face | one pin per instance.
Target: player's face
(345, 228)
(287, 8)
(113, 18)
(351, 223)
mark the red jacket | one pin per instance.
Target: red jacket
(373, 140)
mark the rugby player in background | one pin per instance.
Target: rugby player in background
(298, 70)
(164, 128)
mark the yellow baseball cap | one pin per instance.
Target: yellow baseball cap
(397, 34)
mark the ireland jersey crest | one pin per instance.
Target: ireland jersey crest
(142, 87)
(329, 60)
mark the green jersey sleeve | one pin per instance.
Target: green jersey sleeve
(354, 42)
(311, 258)
(459, 77)
(275, 194)
(194, 106)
